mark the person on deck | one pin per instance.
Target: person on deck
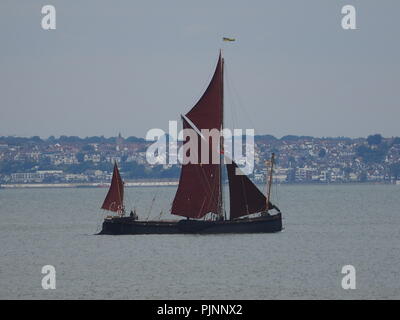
(133, 215)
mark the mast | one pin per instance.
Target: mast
(222, 212)
(269, 183)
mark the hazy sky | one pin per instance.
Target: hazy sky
(128, 66)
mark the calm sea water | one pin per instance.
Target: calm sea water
(326, 227)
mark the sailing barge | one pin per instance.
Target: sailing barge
(200, 190)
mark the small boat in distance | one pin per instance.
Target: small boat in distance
(200, 190)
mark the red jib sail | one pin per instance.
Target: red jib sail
(245, 197)
(199, 190)
(114, 200)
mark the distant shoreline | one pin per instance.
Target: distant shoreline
(87, 185)
(155, 184)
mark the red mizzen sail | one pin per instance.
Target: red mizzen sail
(114, 200)
(199, 190)
(245, 197)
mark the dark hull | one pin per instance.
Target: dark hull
(126, 225)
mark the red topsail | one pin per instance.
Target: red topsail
(199, 190)
(114, 200)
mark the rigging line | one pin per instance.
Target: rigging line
(232, 105)
(128, 198)
(131, 204)
(216, 201)
(234, 115)
(161, 213)
(247, 115)
(202, 206)
(205, 180)
(234, 102)
(240, 104)
(167, 210)
(276, 195)
(151, 206)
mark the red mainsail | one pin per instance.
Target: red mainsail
(245, 197)
(114, 200)
(199, 190)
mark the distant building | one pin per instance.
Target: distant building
(76, 177)
(27, 177)
(92, 157)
